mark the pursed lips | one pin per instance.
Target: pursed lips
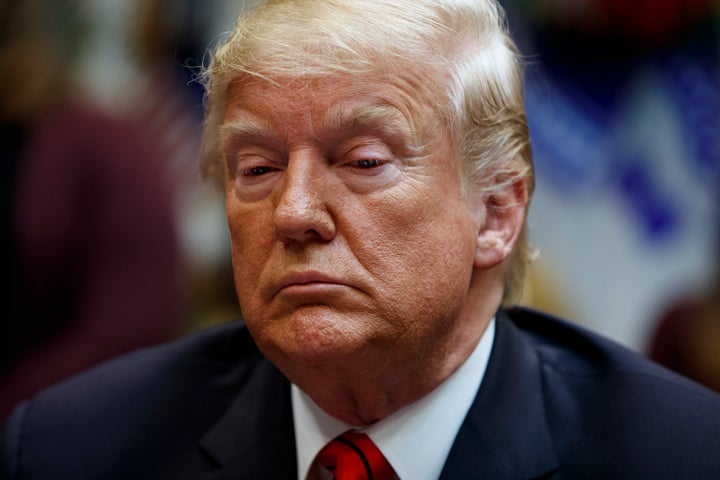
(307, 280)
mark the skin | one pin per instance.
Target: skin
(362, 270)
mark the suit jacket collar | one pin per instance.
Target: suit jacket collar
(255, 438)
(505, 434)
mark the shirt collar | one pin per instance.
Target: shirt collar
(416, 439)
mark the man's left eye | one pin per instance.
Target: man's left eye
(368, 163)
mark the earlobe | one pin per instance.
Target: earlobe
(501, 226)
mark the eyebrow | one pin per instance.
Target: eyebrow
(241, 128)
(385, 119)
(336, 118)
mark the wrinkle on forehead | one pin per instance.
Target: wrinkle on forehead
(391, 109)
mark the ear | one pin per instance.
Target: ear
(504, 215)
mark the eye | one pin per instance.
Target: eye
(257, 171)
(366, 163)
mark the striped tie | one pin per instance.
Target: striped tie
(353, 456)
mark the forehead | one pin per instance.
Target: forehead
(330, 103)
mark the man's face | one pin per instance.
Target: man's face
(350, 235)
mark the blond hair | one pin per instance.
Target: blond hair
(459, 50)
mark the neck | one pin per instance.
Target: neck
(388, 379)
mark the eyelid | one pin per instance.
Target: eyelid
(368, 150)
(244, 162)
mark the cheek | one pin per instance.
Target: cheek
(421, 245)
(251, 241)
(423, 283)
(250, 225)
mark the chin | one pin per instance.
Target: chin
(314, 336)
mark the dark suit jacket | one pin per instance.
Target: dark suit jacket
(556, 402)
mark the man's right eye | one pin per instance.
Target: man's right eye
(257, 171)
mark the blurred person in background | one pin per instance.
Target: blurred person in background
(166, 43)
(90, 240)
(686, 336)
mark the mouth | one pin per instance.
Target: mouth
(306, 278)
(309, 283)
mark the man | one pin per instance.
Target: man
(377, 171)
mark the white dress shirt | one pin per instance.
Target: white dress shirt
(416, 439)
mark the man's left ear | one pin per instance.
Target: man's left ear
(504, 216)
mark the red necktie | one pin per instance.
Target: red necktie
(353, 456)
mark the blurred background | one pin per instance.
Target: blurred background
(623, 101)
(113, 242)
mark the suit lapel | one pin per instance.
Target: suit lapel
(255, 438)
(505, 433)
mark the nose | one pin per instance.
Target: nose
(301, 214)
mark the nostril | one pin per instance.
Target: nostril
(299, 237)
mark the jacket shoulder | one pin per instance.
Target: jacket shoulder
(572, 349)
(613, 411)
(177, 364)
(138, 409)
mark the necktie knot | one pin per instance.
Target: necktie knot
(353, 456)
